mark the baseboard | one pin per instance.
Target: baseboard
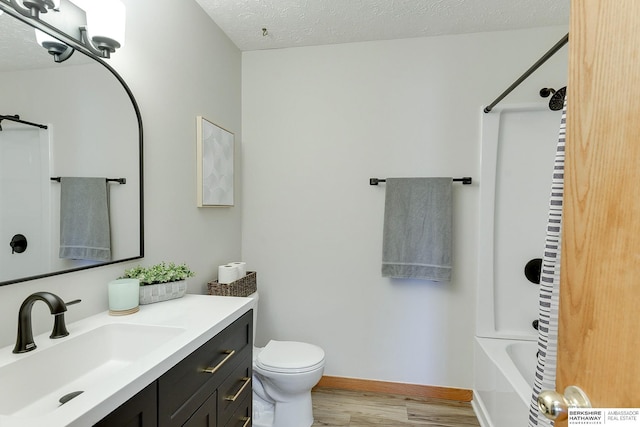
(414, 390)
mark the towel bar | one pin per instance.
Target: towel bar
(465, 180)
(118, 180)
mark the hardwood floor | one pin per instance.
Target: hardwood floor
(333, 407)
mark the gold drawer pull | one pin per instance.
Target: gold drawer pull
(233, 398)
(247, 421)
(213, 370)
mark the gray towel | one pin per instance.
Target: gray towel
(417, 229)
(85, 232)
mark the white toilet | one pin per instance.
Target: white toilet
(284, 372)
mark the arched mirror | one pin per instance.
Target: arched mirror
(93, 129)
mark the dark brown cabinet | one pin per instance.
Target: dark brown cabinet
(209, 388)
(205, 416)
(139, 411)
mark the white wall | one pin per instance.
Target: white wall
(318, 122)
(179, 65)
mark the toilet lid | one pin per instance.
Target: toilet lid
(290, 356)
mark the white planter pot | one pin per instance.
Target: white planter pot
(162, 291)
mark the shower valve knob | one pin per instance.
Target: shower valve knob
(18, 244)
(555, 406)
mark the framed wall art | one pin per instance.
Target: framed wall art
(215, 152)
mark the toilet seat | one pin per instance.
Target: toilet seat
(290, 357)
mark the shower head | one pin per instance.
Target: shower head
(557, 100)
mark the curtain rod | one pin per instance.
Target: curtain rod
(118, 180)
(465, 180)
(16, 118)
(527, 73)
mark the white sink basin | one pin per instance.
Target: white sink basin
(75, 363)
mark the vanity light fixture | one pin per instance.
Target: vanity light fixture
(101, 34)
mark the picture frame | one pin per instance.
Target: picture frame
(215, 164)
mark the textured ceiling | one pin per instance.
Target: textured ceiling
(293, 23)
(18, 46)
(20, 51)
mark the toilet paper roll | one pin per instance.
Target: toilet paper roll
(242, 268)
(227, 273)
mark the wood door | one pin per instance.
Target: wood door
(599, 331)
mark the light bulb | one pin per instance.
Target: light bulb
(106, 23)
(43, 38)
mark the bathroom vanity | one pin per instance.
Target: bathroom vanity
(185, 362)
(210, 387)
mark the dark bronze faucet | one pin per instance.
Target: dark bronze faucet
(57, 306)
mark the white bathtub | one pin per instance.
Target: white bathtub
(503, 381)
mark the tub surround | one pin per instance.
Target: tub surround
(518, 149)
(195, 318)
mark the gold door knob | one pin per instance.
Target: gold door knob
(556, 406)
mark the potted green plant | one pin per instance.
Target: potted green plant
(160, 282)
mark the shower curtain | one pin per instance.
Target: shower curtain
(545, 374)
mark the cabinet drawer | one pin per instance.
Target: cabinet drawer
(242, 416)
(184, 388)
(234, 391)
(205, 416)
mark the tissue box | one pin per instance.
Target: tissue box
(240, 288)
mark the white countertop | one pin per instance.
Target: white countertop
(200, 316)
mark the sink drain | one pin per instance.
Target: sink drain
(67, 397)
